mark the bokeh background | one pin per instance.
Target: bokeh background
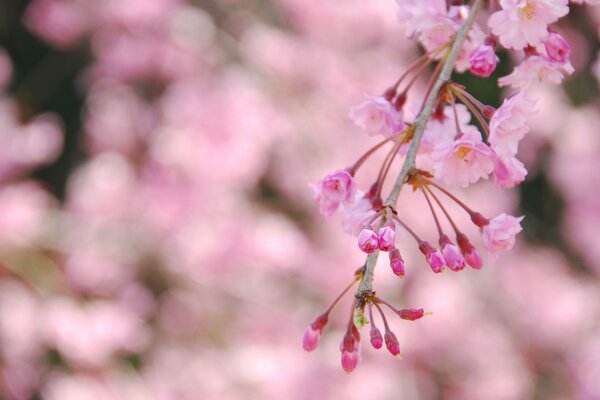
(158, 239)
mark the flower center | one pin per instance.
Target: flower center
(527, 11)
(463, 152)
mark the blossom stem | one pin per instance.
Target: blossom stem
(417, 75)
(385, 168)
(366, 284)
(435, 218)
(456, 122)
(412, 233)
(341, 295)
(476, 113)
(370, 152)
(457, 89)
(425, 58)
(437, 200)
(447, 193)
(385, 322)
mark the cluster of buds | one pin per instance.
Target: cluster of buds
(455, 152)
(350, 344)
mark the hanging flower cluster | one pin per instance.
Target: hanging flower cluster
(456, 152)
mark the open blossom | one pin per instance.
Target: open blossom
(336, 188)
(463, 161)
(483, 60)
(377, 116)
(525, 22)
(557, 48)
(508, 172)
(386, 237)
(536, 68)
(508, 125)
(499, 234)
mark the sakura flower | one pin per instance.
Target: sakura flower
(508, 172)
(336, 188)
(377, 116)
(463, 161)
(557, 48)
(536, 68)
(482, 61)
(525, 22)
(499, 234)
(508, 124)
(442, 128)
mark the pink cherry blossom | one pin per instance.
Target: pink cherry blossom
(508, 125)
(349, 360)
(536, 68)
(508, 172)
(368, 241)
(386, 237)
(557, 48)
(499, 234)
(482, 61)
(525, 22)
(335, 189)
(472, 256)
(377, 116)
(463, 161)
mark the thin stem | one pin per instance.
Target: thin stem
(443, 209)
(417, 75)
(371, 316)
(475, 113)
(456, 122)
(385, 323)
(447, 193)
(366, 284)
(341, 295)
(412, 233)
(469, 96)
(424, 58)
(370, 152)
(435, 218)
(391, 307)
(386, 167)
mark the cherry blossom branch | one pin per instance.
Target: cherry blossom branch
(366, 284)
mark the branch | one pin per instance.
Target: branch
(366, 285)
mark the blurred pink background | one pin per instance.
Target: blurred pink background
(158, 238)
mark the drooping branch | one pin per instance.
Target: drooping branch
(366, 285)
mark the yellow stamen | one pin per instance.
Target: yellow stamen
(463, 152)
(528, 11)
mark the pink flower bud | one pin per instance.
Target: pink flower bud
(411, 314)
(368, 241)
(469, 251)
(391, 342)
(349, 360)
(434, 257)
(452, 255)
(310, 340)
(376, 338)
(479, 219)
(396, 262)
(386, 237)
(557, 48)
(482, 61)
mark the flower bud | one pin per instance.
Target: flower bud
(310, 340)
(483, 60)
(469, 251)
(452, 255)
(391, 342)
(411, 314)
(376, 338)
(557, 48)
(396, 262)
(368, 241)
(349, 360)
(434, 257)
(386, 237)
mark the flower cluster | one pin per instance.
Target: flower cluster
(454, 152)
